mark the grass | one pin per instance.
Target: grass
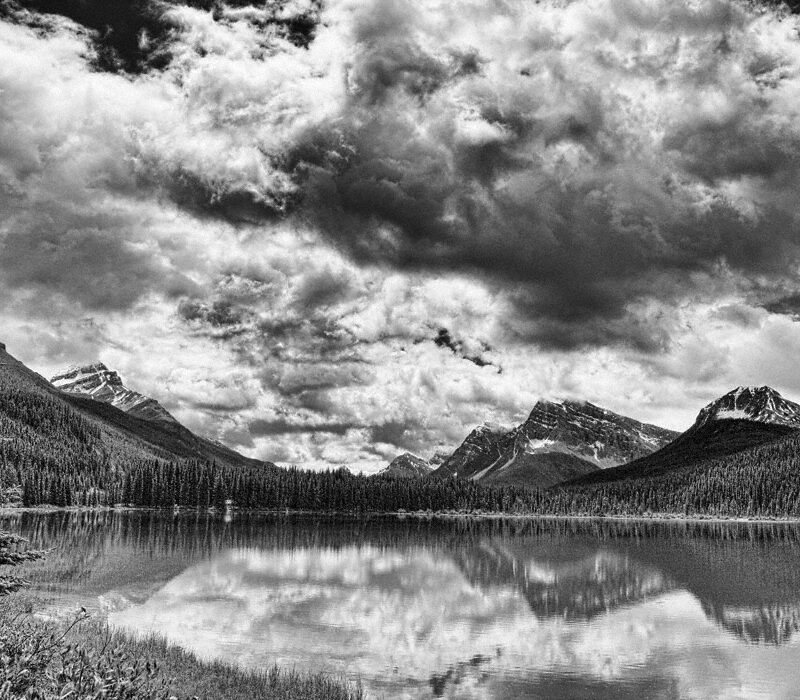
(86, 660)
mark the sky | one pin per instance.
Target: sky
(326, 232)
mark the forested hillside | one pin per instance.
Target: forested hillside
(718, 439)
(762, 482)
(60, 449)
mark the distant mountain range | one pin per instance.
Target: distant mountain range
(560, 440)
(575, 444)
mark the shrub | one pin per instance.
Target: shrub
(12, 552)
(87, 660)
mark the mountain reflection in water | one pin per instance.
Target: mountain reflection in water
(452, 608)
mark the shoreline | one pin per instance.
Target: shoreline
(56, 655)
(6, 511)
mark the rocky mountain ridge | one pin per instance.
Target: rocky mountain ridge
(761, 404)
(100, 383)
(407, 465)
(559, 440)
(741, 420)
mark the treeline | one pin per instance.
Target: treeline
(52, 451)
(160, 484)
(761, 482)
(51, 454)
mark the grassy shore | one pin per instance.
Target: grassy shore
(85, 659)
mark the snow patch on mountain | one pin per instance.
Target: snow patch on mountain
(98, 382)
(760, 404)
(576, 428)
(407, 465)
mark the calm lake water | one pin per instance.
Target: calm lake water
(441, 608)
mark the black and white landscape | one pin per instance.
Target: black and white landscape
(399, 348)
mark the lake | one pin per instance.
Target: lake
(454, 608)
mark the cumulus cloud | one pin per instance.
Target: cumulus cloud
(318, 231)
(593, 157)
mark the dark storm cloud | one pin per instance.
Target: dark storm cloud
(408, 434)
(314, 378)
(277, 324)
(396, 433)
(217, 314)
(322, 288)
(741, 315)
(584, 248)
(133, 36)
(580, 159)
(449, 157)
(261, 428)
(788, 305)
(76, 256)
(443, 339)
(736, 147)
(207, 197)
(230, 405)
(129, 34)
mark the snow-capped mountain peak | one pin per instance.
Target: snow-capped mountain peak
(761, 404)
(100, 383)
(588, 431)
(575, 435)
(407, 465)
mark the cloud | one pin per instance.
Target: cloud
(582, 158)
(443, 339)
(134, 37)
(408, 139)
(279, 218)
(260, 428)
(787, 305)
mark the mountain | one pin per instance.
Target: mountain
(560, 440)
(480, 448)
(44, 427)
(739, 421)
(98, 382)
(759, 404)
(407, 465)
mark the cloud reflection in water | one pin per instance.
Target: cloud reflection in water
(413, 623)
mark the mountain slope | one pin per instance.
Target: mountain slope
(480, 449)
(559, 441)
(40, 422)
(407, 466)
(739, 421)
(97, 382)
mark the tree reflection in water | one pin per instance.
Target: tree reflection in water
(454, 607)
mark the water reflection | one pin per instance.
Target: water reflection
(495, 609)
(570, 584)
